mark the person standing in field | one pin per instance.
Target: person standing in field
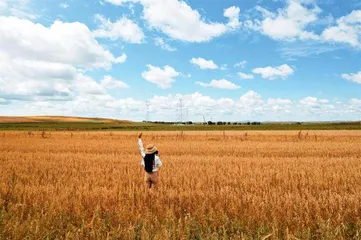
(151, 163)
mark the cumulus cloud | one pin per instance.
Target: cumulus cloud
(279, 105)
(314, 106)
(108, 82)
(198, 105)
(249, 106)
(245, 76)
(313, 101)
(250, 102)
(347, 30)
(163, 78)
(18, 8)
(123, 28)
(279, 101)
(3, 5)
(298, 16)
(39, 63)
(160, 42)
(203, 63)
(179, 21)
(289, 23)
(224, 67)
(355, 105)
(3, 101)
(273, 73)
(353, 77)
(59, 43)
(64, 5)
(232, 14)
(24, 78)
(241, 64)
(222, 84)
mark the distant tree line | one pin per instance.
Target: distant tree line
(206, 123)
(163, 122)
(233, 123)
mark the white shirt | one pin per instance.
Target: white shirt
(157, 163)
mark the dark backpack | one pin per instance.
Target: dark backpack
(149, 162)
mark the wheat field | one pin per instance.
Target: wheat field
(214, 185)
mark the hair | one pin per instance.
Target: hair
(149, 162)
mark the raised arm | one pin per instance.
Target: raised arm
(140, 144)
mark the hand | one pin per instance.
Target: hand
(140, 135)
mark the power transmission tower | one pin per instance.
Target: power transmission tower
(179, 111)
(147, 118)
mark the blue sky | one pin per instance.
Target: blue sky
(265, 60)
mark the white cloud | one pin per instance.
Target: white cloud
(121, 59)
(127, 105)
(224, 67)
(289, 23)
(120, 2)
(179, 21)
(163, 78)
(293, 21)
(39, 63)
(313, 106)
(64, 5)
(3, 101)
(279, 105)
(347, 30)
(279, 101)
(108, 82)
(203, 63)
(160, 42)
(250, 100)
(273, 73)
(198, 105)
(33, 80)
(250, 106)
(353, 77)
(292, 51)
(18, 8)
(355, 101)
(3, 5)
(124, 29)
(355, 105)
(86, 85)
(232, 14)
(245, 76)
(25, 78)
(21, 38)
(312, 101)
(222, 84)
(241, 64)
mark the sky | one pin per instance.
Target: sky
(172, 60)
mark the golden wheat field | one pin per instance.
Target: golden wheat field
(214, 185)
